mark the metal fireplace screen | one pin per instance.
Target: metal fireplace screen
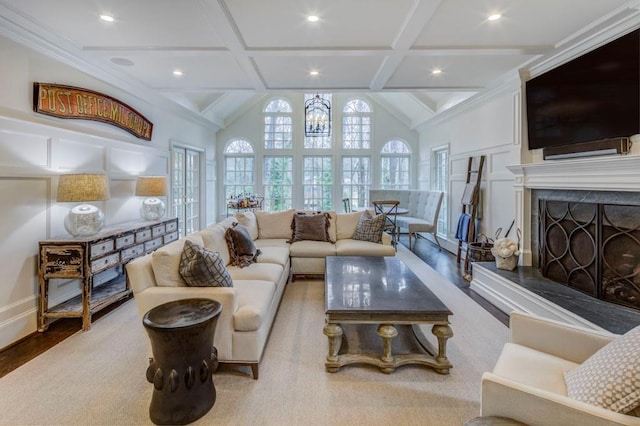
(592, 247)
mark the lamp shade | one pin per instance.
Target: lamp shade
(83, 187)
(151, 186)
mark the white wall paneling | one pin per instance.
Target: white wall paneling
(23, 208)
(35, 149)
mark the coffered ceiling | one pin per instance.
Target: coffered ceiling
(231, 52)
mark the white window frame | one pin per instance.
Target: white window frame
(237, 187)
(312, 183)
(278, 121)
(286, 200)
(400, 157)
(440, 171)
(358, 192)
(354, 130)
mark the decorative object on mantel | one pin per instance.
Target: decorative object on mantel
(74, 102)
(506, 252)
(83, 219)
(317, 116)
(152, 208)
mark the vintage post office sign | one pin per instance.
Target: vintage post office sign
(74, 102)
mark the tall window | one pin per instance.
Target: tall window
(440, 161)
(278, 125)
(356, 180)
(395, 160)
(356, 125)
(318, 183)
(278, 183)
(185, 188)
(239, 166)
(317, 142)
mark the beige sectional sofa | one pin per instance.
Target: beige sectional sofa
(250, 306)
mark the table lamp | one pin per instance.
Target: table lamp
(151, 187)
(83, 219)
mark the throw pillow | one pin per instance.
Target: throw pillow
(370, 228)
(274, 225)
(201, 267)
(610, 378)
(310, 227)
(242, 250)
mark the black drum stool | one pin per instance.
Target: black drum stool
(181, 334)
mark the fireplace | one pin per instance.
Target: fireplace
(605, 281)
(590, 241)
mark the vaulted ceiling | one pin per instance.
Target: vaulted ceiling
(231, 51)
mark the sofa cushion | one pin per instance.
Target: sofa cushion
(274, 224)
(241, 248)
(542, 371)
(201, 267)
(351, 247)
(213, 238)
(610, 378)
(263, 243)
(254, 300)
(249, 221)
(346, 224)
(312, 249)
(257, 271)
(277, 255)
(310, 227)
(165, 262)
(370, 228)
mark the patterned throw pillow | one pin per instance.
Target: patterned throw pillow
(610, 378)
(370, 228)
(201, 267)
(310, 227)
(242, 250)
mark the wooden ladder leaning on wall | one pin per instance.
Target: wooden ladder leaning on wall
(470, 200)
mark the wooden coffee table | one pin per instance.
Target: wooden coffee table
(383, 293)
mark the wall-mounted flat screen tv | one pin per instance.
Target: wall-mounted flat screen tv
(595, 96)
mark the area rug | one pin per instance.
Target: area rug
(98, 377)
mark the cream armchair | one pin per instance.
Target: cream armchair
(527, 383)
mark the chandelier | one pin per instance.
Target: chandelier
(317, 114)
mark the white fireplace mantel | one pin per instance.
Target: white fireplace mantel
(614, 173)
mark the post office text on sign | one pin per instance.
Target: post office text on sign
(73, 102)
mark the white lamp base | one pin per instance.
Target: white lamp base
(84, 220)
(152, 209)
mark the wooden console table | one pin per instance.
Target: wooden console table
(83, 258)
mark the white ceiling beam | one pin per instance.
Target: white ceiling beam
(221, 19)
(419, 15)
(425, 101)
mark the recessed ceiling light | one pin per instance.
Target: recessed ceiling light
(436, 71)
(177, 73)
(494, 17)
(313, 73)
(107, 18)
(313, 18)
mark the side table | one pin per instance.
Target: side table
(181, 334)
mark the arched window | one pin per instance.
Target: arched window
(395, 161)
(356, 125)
(239, 167)
(278, 125)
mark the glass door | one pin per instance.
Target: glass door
(185, 188)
